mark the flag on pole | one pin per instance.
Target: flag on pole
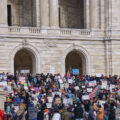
(93, 93)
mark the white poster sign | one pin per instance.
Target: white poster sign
(85, 97)
(104, 84)
(50, 99)
(49, 105)
(89, 90)
(112, 87)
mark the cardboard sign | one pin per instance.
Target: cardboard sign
(70, 81)
(49, 105)
(65, 101)
(50, 99)
(36, 89)
(104, 84)
(70, 101)
(112, 87)
(83, 86)
(22, 80)
(85, 97)
(3, 84)
(89, 90)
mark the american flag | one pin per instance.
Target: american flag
(93, 93)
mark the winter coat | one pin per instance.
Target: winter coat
(112, 114)
(66, 115)
(21, 113)
(78, 112)
(1, 114)
(91, 115)
(100, 114)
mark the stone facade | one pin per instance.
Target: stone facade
(51, 29)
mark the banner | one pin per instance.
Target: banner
(75, 71)
(3, 77)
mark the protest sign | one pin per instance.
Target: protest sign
(50, 99)
(58, 100)
(75, 71)
(65, 101)
(70, 101)
(49, 105)
(92, 83)
(25, 86)
(104, 84)
(85, 97)
(112, 87)
(3, 84)
(89, 90)
(70, 81)
(83, 86)
(3, 77)
(22, 80)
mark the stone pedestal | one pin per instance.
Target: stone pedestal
(2, 99)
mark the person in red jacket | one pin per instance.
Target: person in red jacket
(1, 114)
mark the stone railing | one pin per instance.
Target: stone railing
(75, 32)
(24, 30)
(55, 32)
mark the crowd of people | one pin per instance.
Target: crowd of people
(53, 97)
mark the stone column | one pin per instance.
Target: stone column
(3, 12)
(37, 13)
(94, 14)
(87, 14)
(44, 14)
(102, 14)
(54, 20)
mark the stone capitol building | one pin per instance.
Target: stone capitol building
(41, 36)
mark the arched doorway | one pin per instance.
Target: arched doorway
(24, 62)
(75, 60)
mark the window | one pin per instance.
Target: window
(9, 15)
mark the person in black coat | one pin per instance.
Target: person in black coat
(78, 111)
(112, 112)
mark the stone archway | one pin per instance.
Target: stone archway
(32, 51)
(24, 61)
(75, 60)
(82, 54)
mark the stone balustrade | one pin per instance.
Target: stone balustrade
(56, 32)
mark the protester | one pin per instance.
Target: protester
(51, 97)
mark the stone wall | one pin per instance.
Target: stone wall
(52, 53)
